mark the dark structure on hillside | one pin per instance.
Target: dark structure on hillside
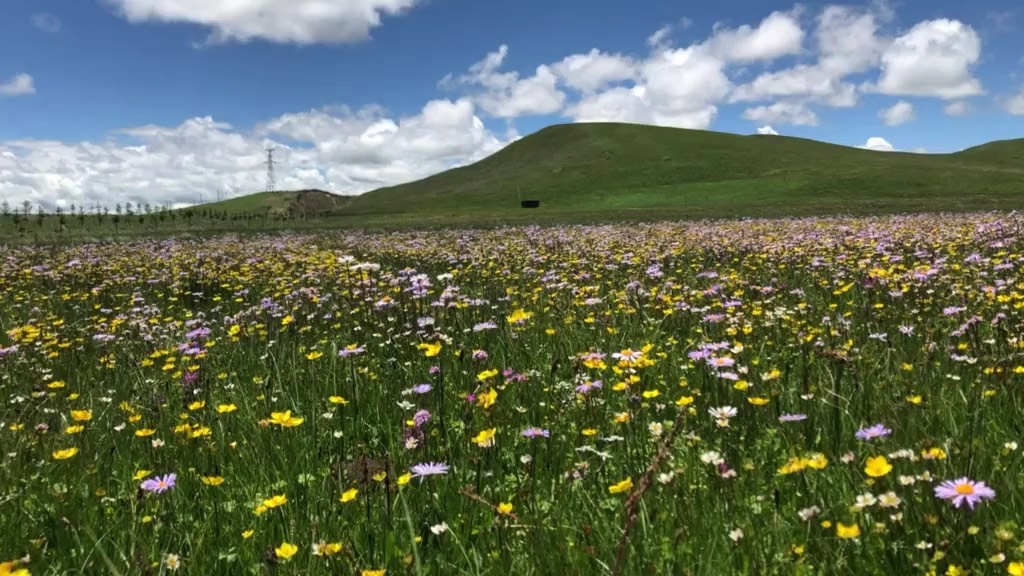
(529, 203)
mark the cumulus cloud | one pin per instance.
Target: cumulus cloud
(878, 144)
(505, 94)
(899, 113)
(337, 149)
(1015, 104)
(674, 88)
(848, 41)
(767, 131)
(795, 113)
(594, 70)
(20, 85)
(934, 58)
(777, 35)
(283, 21)
(46, 22)
(957, 108)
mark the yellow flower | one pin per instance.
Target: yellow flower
(248, 534)
(226, 408)
(275, 501)
(55, 385)
(430, 350)
(758, 400)
(404, 479)
(622, 417)
(198, 404)
(285, 419)
(64, 454)
(487, 374)
(589, 432)
(326, 549)
(286, 550)
(519, 316)
(140, 474)
(505, 508)
(485, 439)
(684, 401)
(74, 429)
(142, 433)
(212, 480)
(877, 467)
(650, 394)
(337, 400)
(847, 532)
(914, 399)
(619, 487)
(934, 454)
(11, 569)
(81, 415)
(487, 399)
(349, 495)
(373, 572)
(314, 355)
(1015, 569)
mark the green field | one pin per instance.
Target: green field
(801, 397)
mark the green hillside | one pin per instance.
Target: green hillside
(311, 202)
(587, 171)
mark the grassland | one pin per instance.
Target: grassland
(809, 397)
(624, 170)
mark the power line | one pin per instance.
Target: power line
(271, 181)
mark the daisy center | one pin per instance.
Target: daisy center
(964, 489)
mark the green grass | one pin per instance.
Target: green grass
(610, 168)
(120, 363)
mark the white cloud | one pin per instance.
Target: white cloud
(899, 113)
(795, 113)
(46, 22)
(284, 21)
(674, 88)
(957, 108)
(878, 144)
(336, 149)
(767, 131)
(20, 85)
(934, 58)
(1015, 104)
(505, 94)
(777, 35)
(848, 42)
(594, 70)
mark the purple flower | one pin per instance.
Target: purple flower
(421, 388)
(964, 490)
(434, 370)
(872, 432)
(533, 432)
(479, 355)
(588, 386)
(421, 417)
(429, 469)
(792, 417)
(159, 484)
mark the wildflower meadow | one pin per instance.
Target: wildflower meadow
(811, 396)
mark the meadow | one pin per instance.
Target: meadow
(803, 396)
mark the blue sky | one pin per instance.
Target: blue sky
(119, 89)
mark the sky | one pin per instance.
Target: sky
(173, 102)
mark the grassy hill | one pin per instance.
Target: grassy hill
(280, 203)
(588, 171)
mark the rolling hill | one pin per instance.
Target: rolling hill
(311, 202)
(604, 170)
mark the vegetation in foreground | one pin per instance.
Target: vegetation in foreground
(810, 396)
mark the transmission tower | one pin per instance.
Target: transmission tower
(271, 181)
